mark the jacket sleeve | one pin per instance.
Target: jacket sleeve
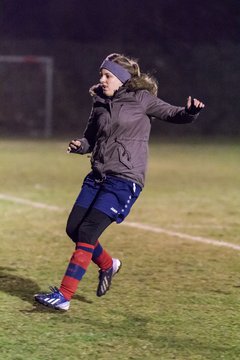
(89, 136)
(155, 107)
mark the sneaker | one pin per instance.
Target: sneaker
(54, 299)
(105, 277)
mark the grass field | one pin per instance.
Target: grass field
(174, 298)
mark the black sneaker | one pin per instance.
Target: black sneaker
(105, 277)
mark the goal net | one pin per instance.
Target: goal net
(26, 86)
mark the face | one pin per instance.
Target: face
(109, 82)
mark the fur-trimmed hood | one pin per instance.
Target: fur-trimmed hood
(143, 82)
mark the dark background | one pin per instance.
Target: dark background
(191, 47)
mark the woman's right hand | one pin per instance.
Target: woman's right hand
(74, 146)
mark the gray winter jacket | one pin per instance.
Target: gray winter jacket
(118, 130)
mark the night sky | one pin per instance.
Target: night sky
(127, 20)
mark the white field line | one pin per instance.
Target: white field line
(200, 226)
(135, 225)
(34, 204)
(200, 239)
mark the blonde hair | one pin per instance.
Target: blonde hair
(127, 63)
(138, 80)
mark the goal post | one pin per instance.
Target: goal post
(47, 63)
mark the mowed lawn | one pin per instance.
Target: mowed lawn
(175, 298)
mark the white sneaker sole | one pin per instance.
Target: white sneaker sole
(117, 264)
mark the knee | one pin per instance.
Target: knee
(74, 220)
(72, 232)
(81, 234)
(86, 237)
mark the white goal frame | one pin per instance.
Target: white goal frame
(47, 61)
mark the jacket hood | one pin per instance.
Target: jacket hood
(143, 82)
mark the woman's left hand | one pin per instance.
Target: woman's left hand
(194, 106)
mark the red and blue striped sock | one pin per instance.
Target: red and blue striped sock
(77, 267)
(101, 258)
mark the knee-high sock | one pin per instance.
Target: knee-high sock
(77, 267)
(101, 258)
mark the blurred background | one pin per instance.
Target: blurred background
(50, 52)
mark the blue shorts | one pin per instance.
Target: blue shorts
(114, 196)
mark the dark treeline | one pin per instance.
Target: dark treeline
(191, 46)
(210, 72)
(159, 21)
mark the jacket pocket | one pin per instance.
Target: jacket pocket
(124, 155)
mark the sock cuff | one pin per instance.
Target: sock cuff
(85, 246)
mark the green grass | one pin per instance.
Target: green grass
(173, 299)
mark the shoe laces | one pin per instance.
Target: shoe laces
(54, 289)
